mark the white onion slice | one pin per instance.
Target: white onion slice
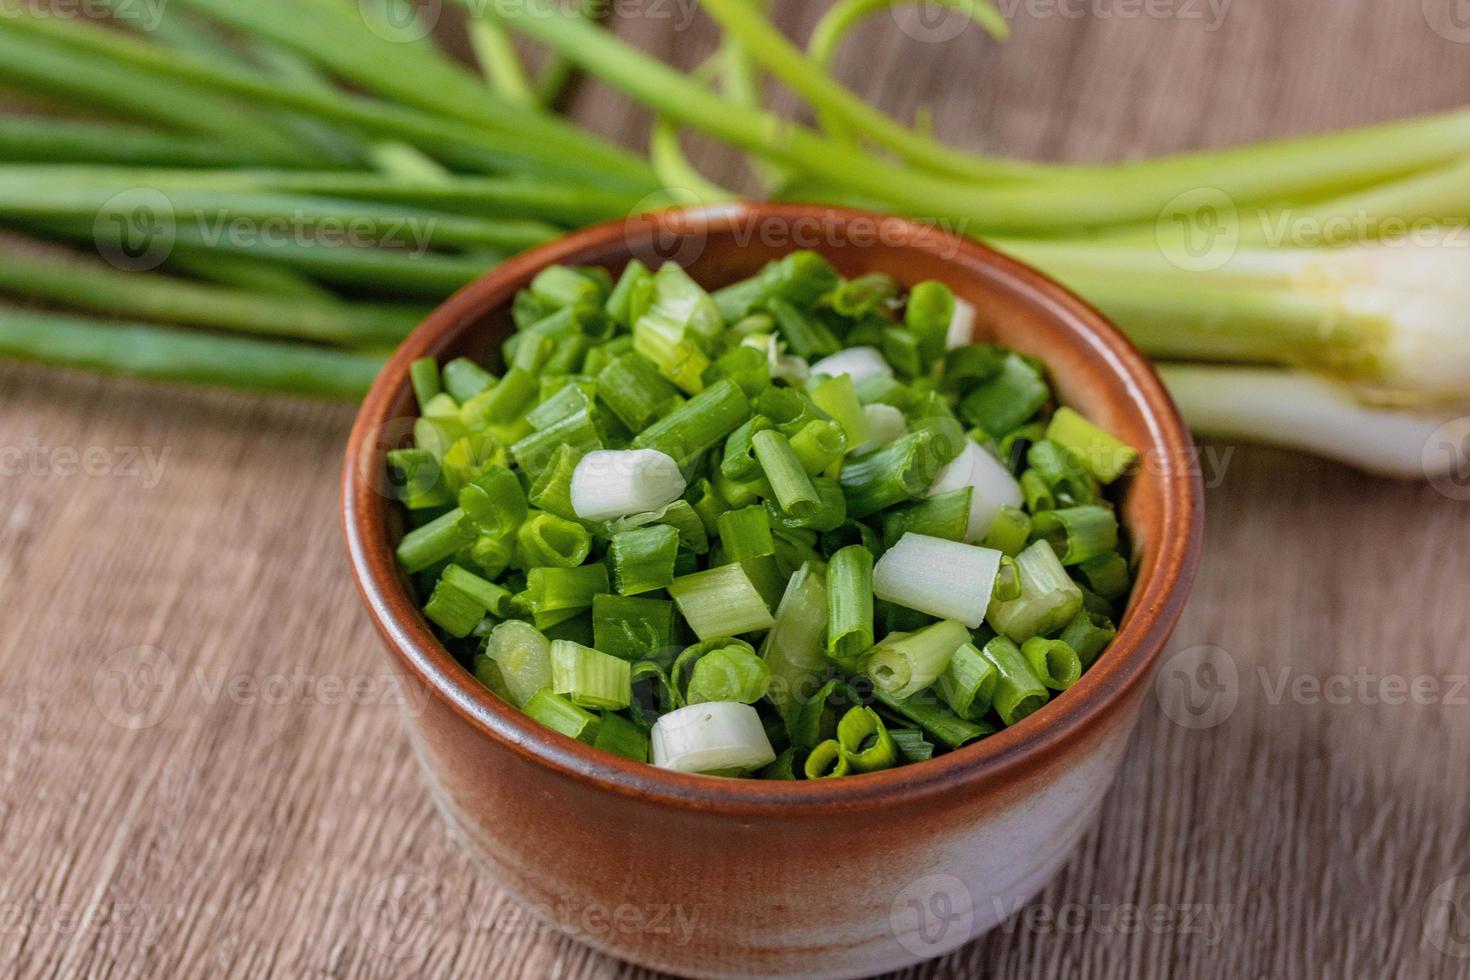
(993, 487)
(859, 363)
(942, 578)
(610, 483)
(717, 736)
(961, 326)
(885, 424)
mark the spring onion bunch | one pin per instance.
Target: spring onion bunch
(1379, 326)
(798, 527)
(301, 121)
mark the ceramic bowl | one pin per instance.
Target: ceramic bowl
(712, 877)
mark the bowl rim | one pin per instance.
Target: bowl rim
(1008, 754)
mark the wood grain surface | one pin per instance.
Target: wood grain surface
(201, 768)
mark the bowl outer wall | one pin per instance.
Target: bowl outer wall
(599, 819)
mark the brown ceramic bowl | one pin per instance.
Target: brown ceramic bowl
(720, 877)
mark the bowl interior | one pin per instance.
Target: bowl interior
(1092, 368)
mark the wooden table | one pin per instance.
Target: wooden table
(201, 768)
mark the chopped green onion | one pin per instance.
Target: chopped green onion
(437, 540)
(464, 379)
(1007, 580)
(494, 501)
(642, 559)
(819, 444)
(631, 387)
(729, 673)
(620, 302)
(899, 472)
(783, 768)
(746, 533)
(714, 737)
(1018, 691)
(1077, 534)
(633, 628)
(502, 402)
(590, 678)
(1049, 598)
(807, 335)
(789, 481)
(849, 604)
(864, 295)
(1107, 575)
(679, 515)
(906, 663)
(1056, 663)
(536, 451)
(469, 456)
(558, 286)
(738, 460)
(545, 539)
(1064, 474)
(924, 710)
(1010, 532)
(794, 647)
(830, 513)
(967, 366)
(460, 600)
(837, 396)
(1105, 456)
(826, 761)
(552, 490)
(523, 655)
(620, 736)
(561, 715)
(930, 308)
(699, 424)
(946, 515)
(968, 683)
(1088, 633)
(424, 376)
(799, 278)
(613, 483)
(865, 741)
(943, 578)
(1037, 493)
(418, 480)
(721, 601)
(912, 744)
(491, 554)
(557, 594)
(568, 401)
(1005, 401)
